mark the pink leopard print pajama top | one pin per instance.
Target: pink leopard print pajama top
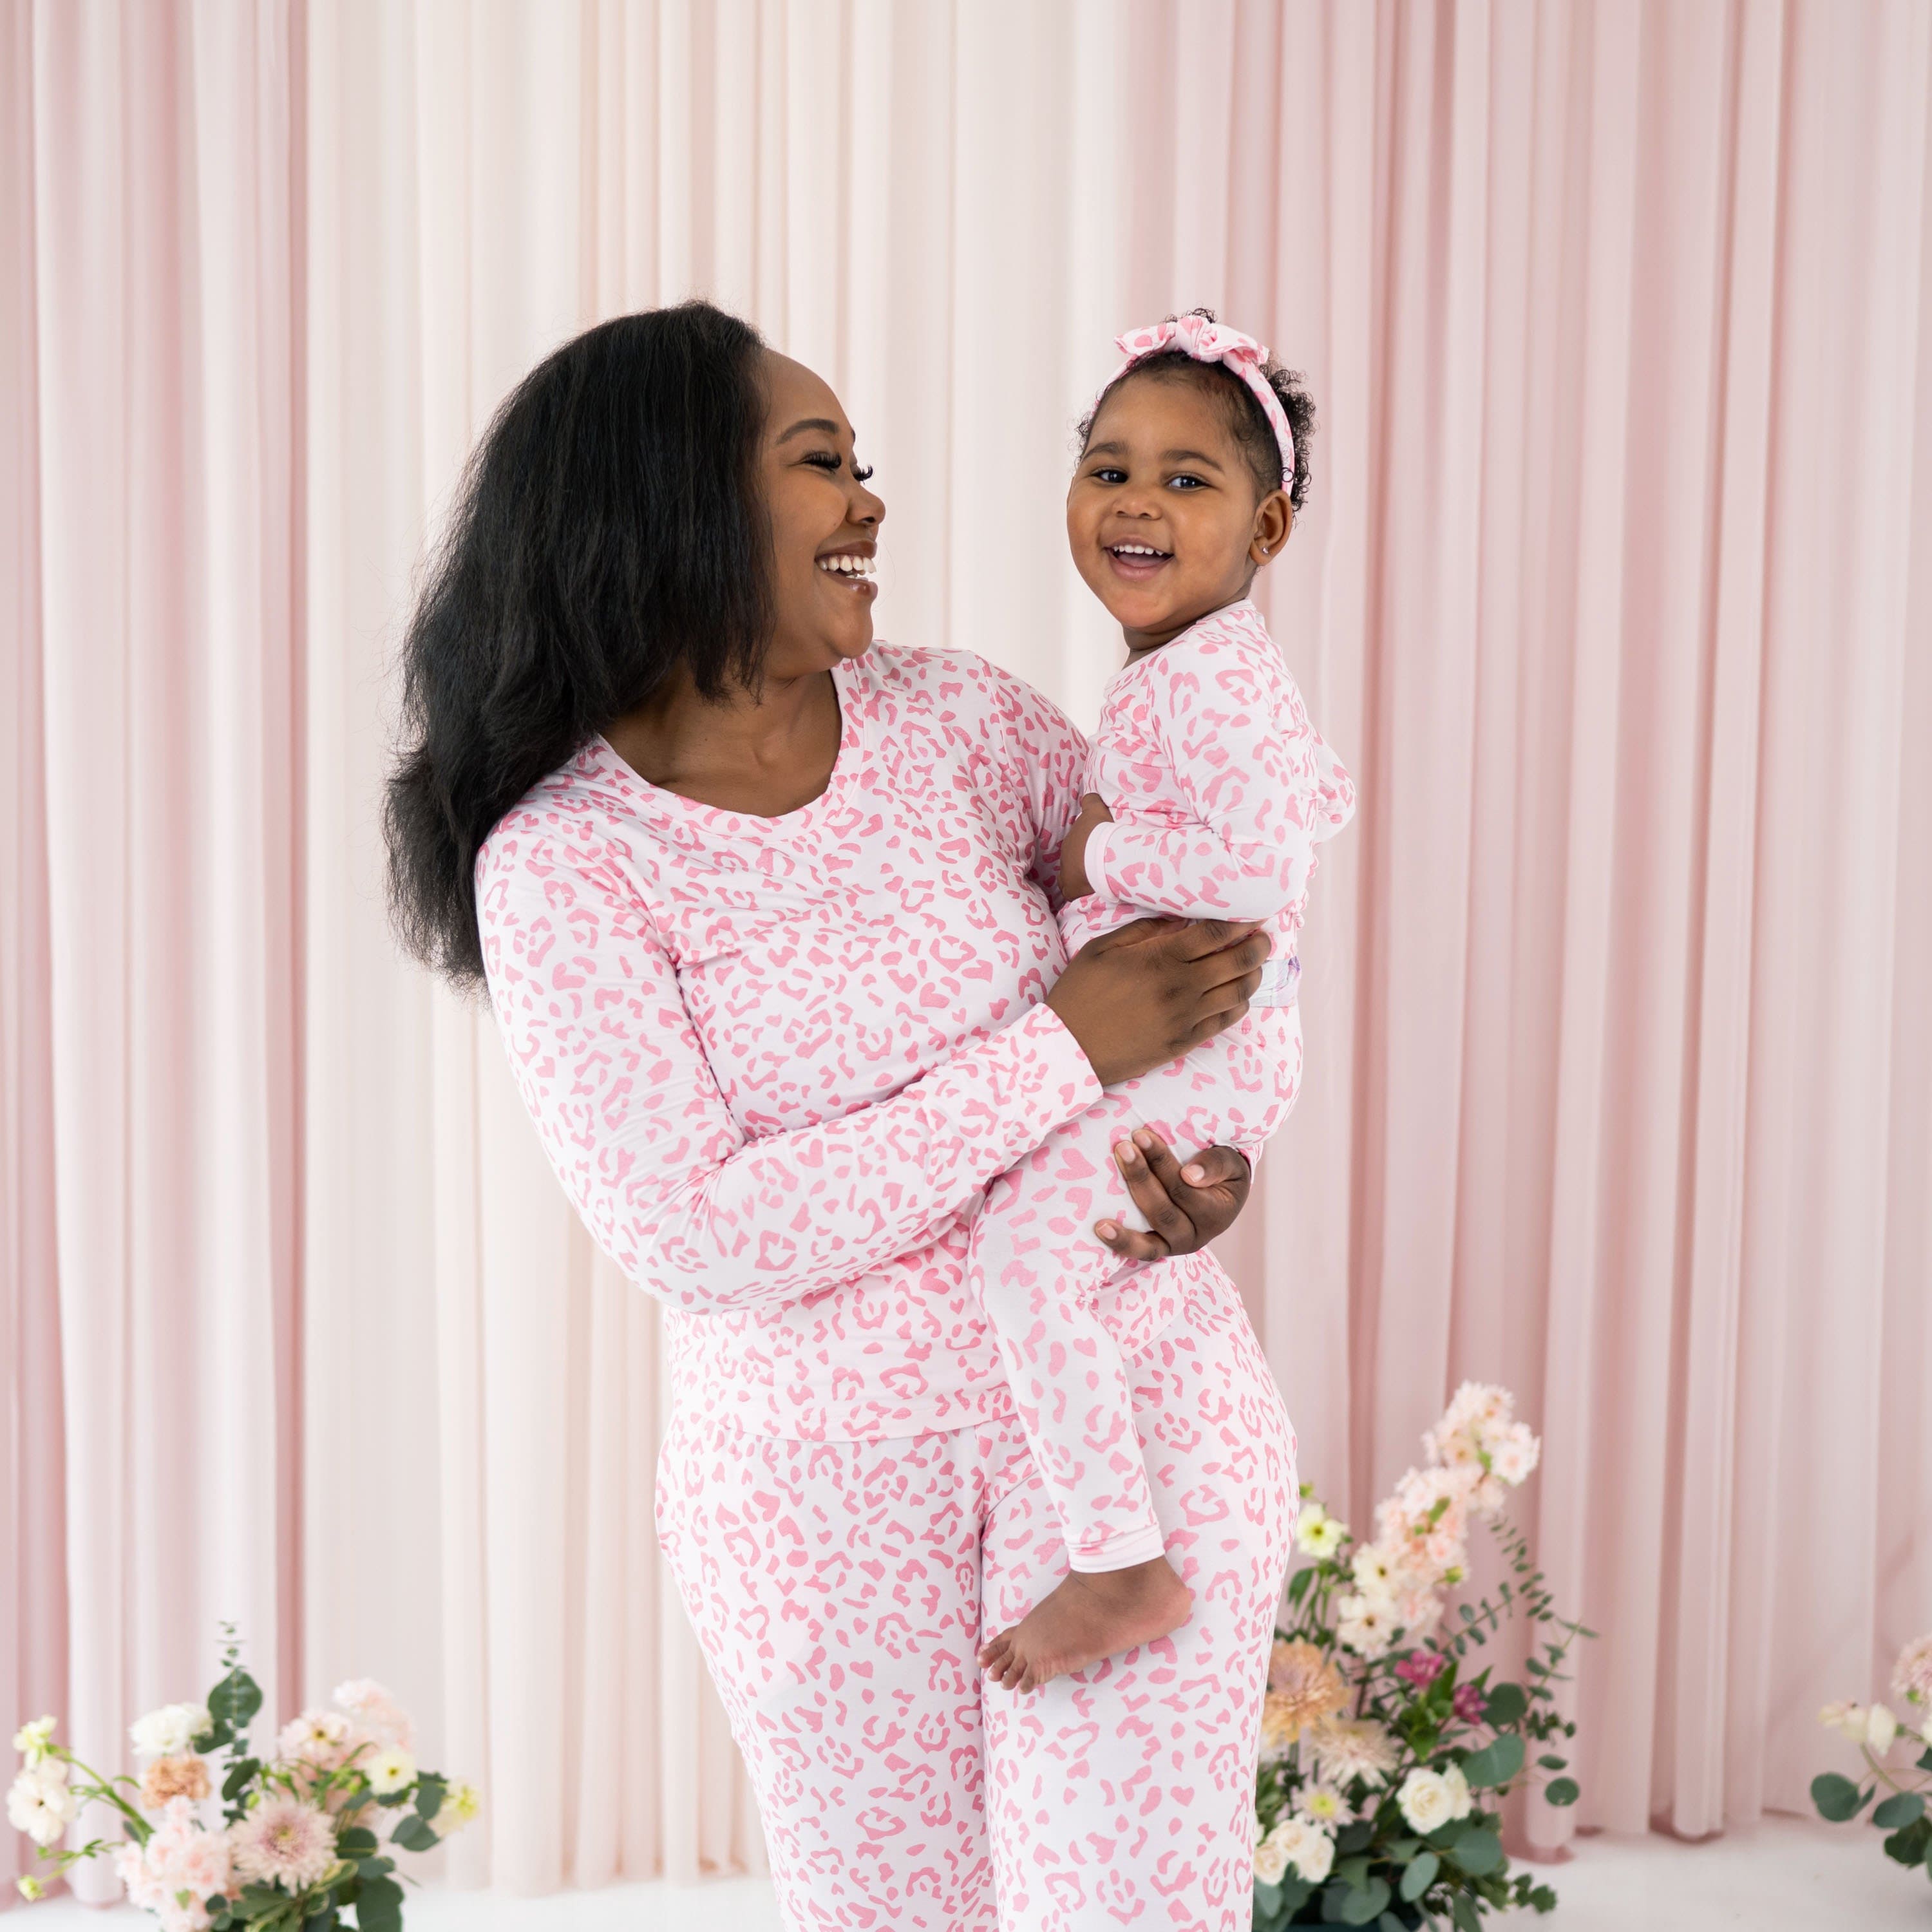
(775, 1062)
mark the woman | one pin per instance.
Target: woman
(765, 918)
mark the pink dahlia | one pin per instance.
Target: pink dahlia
(284, 1842)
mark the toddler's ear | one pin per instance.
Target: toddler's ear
(1274, 517)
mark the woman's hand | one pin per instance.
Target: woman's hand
(1185, 1207)
(1139, 997)
(1074, 883)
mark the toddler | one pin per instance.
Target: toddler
(1207, 790)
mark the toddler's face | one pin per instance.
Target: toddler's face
(1161, 514)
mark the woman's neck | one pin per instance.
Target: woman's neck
(763, 753)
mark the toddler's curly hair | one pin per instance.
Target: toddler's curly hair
(1253, 433)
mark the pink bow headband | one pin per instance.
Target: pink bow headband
(1207, 341)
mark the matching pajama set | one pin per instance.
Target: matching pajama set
(776, 1064)
(1220, 790)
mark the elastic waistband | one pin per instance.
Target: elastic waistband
(1281, 982)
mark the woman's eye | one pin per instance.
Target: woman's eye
(864, 475)
(826, 459)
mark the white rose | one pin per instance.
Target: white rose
(1425, 1801)
(1308, 1848)
(169, 1732)
(1270, 1858)
(1461, 1801)
(1881, 1727)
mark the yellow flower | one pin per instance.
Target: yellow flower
(463, 1803)
(32, 1889)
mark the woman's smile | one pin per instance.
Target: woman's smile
(850, 567)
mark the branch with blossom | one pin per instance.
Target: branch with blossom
(1878, 1731)
(1384, 1761)
(300, 1840)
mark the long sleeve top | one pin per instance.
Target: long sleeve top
(1219, 786)
(774, 1060)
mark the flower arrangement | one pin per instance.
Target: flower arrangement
(301, 1842)
(1876, 1730)
(1384, 1760)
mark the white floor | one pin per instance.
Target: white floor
(1780, 1877)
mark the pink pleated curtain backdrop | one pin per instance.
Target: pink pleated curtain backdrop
(1620, 1066)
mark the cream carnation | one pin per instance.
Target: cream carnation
(1344, 1749)
(1425, 1800)
(169, 1732)
(284, 1842)
(1911, 1675)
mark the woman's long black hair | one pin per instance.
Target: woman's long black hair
(609, 527)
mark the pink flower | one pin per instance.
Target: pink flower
(1912, 1674)
(284, 1842)
(378, 1716)
(1468, 1703)
(1420, 1668)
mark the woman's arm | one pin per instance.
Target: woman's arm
(624, 1099)
(1255, 774)
(616, 1081)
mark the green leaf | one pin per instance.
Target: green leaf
(356, 1841)
(380, 1909)
(235, 1699)
(238, 1777)
(1554, 1763)
(1909, 1846)
(1507, 1704)
(1925, 1759)
(1389, 1922)
(414, 1833)
(430, 1789)
(1497, 1762)
(1353, 1872)
(1420, 1876)
(1295, 1893)
(1298, 1585)
(1355, 1905)
(1904, 1808)
(1562, 1791)
(1479, 1852)
(1463, 1909)
(1355, 1837)
(373, 1867)
(1836, 1798)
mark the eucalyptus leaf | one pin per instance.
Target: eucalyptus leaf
(1836, 1797)
(1479, 1852)
(1420, 1876)
(414, 1833)
(356, 1841)
(1497, 1762)
(1463, 1909)
(1355, 1837)
(1562, 1791)
(1909, 1846)
(430, 1789)
(1295, 1892)
(1344, 1904)
(1267, 1899)
(380, 1909)
(238, 1777)
(1549, 1761)
(1508, 1703)
(1389, 1922)
(1903, 1808)
(235, 1699)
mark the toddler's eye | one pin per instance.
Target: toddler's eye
(1110, 475)
(1186, 482)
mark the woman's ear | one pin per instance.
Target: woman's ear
(1274, 517)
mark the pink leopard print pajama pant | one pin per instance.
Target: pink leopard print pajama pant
(840, 1591)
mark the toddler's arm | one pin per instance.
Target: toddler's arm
(1252, 771)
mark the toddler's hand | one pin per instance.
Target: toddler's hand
(1093, 811)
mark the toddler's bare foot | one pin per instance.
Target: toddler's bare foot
(1093, 1614)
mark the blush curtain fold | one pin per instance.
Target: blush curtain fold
(1615, 592)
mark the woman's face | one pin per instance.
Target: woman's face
(825, 525)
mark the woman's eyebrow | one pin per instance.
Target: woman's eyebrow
(811, 422)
